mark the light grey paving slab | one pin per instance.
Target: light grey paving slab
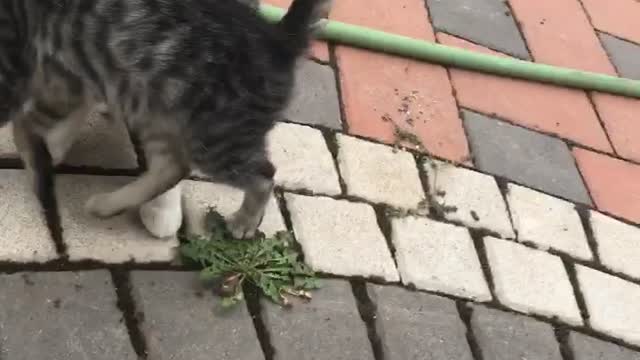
(505, 336)
(611, 303)
(617, 244)
(414, 325)
(473, 198)
(61, 316)
(585, 347)
(199, 196)
(119, 239)
(524, 156)
(340, 237)
(24, 236)
(182, 321)
(302, 159)
(379, 173)
(438, 257)
(103, 142)
(531, 281)
(625, 55)
(7, 146)
(329, 327)
(315, 97)
(486, 22)
(548, 222)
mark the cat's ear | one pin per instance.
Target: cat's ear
(254, 4)
(305, 15)
(321, 15)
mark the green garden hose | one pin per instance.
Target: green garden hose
(376, 40)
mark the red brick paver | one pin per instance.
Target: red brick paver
(616, 17)
(381, 93)
(621, 117)
(613, 183)
(558, 32)
(561, 111)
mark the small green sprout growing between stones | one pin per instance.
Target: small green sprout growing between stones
(269, 263)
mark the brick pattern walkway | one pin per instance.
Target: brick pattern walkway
(453, 215)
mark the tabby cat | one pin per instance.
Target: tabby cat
(198, 82)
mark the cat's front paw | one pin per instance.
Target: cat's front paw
(101, 206)
(243, 226)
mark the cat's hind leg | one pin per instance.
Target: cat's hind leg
(162, 216)
(167, 164)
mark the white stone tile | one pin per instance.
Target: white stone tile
(7, 146)
(474, 198)
(612, 304)
(618, 244)
(103, 143)
(199, 196)
(531, 281)
(119, 239)
(438, 257)
(548, 222)
(378, 173)
(340, 237)
(302, 159)
(24, 236)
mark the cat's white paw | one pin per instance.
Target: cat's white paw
(162, 216)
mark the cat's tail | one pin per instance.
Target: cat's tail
(303, 19)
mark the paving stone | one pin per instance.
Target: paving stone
(384, 105)
(531, 281)
(504, 336)
(333, 233)
(529, 104)
(415, 325)
(474, 198)
(119, 239)
(199, 196)
(7, 147)
(24, 236)
(61, 315)
(487, 22)
(103, 143)
(611, 303)
(378, 173)
(558, 32)
(320, 51)
(182, 322)
(618, 115)
(302, 159)
(588, 348)
(329, 327)
(617, 244)
(315, 97)
(548, 222)
(617, 17)
(623, 199)
(524, 156)
(438, 257)
(624, 54)
(378, 102)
